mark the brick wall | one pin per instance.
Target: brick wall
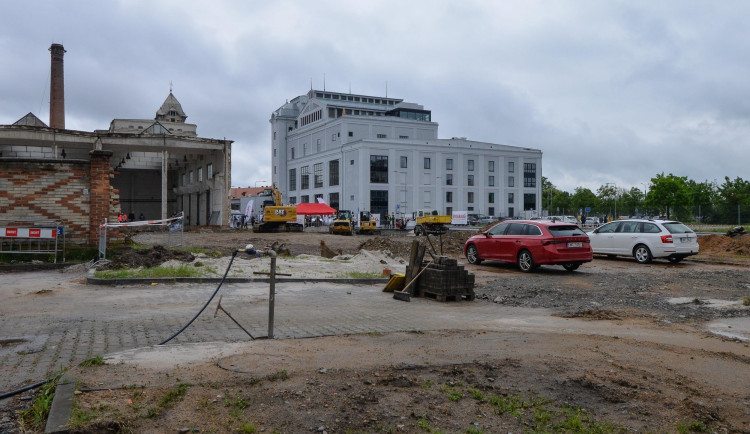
(31, 189)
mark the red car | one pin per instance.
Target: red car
(531, 243)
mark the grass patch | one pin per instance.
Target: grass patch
(690, 427)
(198, 250)
(545, 417)
(154, 272)
(169, 400)
(94, 361)
(361, 275)
(476, 394)
(79, 417)
(36, 416)
(745, 300)
(281, 375)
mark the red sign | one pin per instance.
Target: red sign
(11, 232)
(35, 233)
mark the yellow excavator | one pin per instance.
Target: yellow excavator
(342, 224)
(279, 218)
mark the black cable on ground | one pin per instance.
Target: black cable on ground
(41, 383)
(24, 389)
(234, 254)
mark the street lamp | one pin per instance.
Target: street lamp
(614, 217)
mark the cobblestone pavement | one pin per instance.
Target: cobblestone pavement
(52, 319)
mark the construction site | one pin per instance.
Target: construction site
(385, 333)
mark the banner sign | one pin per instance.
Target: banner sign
(45, 233)
(460, 218)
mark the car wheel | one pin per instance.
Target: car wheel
(642, 254)
(571, 266)
(472, 255)
(525, 261)
(675, 259)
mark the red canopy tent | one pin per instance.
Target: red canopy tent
(314, 209)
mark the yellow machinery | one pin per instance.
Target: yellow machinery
(342, 224)
(367, 224)
(429, 222)
(279, 218)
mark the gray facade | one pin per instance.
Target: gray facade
(383, 155)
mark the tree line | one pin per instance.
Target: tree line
(676, 197)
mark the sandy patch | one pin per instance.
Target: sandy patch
(301, 266)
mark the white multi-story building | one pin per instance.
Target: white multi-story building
(383, 155)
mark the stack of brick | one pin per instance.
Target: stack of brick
(445, 280)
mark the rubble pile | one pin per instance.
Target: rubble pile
(129, 257)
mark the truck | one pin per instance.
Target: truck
(277, 217)
(430, 222)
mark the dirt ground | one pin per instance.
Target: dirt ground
(646, 361)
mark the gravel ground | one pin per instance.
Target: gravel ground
(690, 291)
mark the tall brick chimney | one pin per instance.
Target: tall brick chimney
(57, 88)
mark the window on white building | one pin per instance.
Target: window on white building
(491, 166)
(404, 162)
(427, 163)
(449, 164)
(511, 181)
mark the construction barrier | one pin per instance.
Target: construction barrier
(174, 224)
(33, 237)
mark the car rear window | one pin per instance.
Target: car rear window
(565, 231)
(677, 228)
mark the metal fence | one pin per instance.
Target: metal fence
(33, 237)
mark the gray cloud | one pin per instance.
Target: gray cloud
(609, 91)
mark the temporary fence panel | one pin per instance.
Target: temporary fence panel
(174, 224)
(33, 237)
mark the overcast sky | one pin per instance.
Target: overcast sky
(609, 91)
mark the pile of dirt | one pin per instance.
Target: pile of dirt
(453, 244)
(720, 244)
(152, 257)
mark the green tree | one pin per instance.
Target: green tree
(608, 195)
(702, 196)
(549, 191)
(582, 198)
(561, 204)
(632, 201)
(666, 192)
(735, 192)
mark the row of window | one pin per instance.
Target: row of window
(312, 117)
(529, 168)
(333, 176)
(379, 201)
(188, 179)
(353, 98)
(470, 197)
(333, 199)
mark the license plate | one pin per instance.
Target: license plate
(685, 239)
(575, 244)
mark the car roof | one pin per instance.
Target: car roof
(539, 222)
(646, 220)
